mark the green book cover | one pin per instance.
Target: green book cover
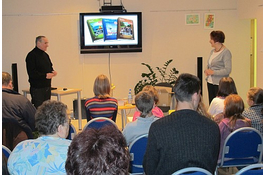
(95, 28)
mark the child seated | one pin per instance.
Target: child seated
(255, 110)
(233, 119)
(144, 102)
(156, 110)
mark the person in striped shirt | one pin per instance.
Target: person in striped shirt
(102, 105)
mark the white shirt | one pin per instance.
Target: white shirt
(214, 54)
(216, 106)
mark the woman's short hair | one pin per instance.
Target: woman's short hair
(153, 91)
(102, 86)
(226, 87)
(49, 116)
(144, 102)
(256, 95)
(98, 151)
(218, 36)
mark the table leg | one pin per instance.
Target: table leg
(79, 110)
(123, 117)
(58, 97)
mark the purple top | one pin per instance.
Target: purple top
(225, 129)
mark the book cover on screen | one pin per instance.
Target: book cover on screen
(110, 29)
(125, 29)
(95, 28)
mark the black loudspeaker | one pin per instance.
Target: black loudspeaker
(199, 69)
(14, 77)
(83, 109)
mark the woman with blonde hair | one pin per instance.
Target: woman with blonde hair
(255, 110)
(102, 105)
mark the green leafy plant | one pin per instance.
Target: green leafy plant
(152, 79)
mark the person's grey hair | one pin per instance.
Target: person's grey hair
(6, 78)
(39, 39)
(49, 116)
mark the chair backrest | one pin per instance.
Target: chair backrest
(243, 143)
(251, 169)
(99, 122)
(192, 171)
(72, 132)
(137, 150)
(6, 151)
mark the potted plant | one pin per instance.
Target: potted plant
(151, 78)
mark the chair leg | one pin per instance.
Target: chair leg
(216, 171)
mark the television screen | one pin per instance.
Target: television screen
(110, 32)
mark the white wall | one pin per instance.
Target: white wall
(165, 36)
(253, 9)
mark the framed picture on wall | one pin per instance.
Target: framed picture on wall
(192, 19)
(209, 20)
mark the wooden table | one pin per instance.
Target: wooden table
(60, 92)
(123, 113)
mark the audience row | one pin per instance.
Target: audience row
(190, 136)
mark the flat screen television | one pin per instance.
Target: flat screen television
(110, 32)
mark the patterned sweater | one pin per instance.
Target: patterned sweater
(101, 107)
(45, 155)
(255, 114)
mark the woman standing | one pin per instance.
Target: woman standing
(219, 63)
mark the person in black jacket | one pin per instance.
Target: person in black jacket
(18, 121)
(184, 138)
(40, 71)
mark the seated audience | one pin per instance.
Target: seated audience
(144, 102)
(184, 138)
(18, 120)
(156, 110)
(46, 154)
(226, 87)
(233, 119)
(255, 110)
(102, 105)
(98, 152)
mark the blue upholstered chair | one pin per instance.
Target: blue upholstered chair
(137, 150)
(192, 171)
(99, 122)
(6, 151)
(242, 147)
(255, 169)
(72, 132)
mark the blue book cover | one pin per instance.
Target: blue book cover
(110, 29)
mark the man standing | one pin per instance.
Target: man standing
(18, 120)
(40, 71)
(184, 138)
